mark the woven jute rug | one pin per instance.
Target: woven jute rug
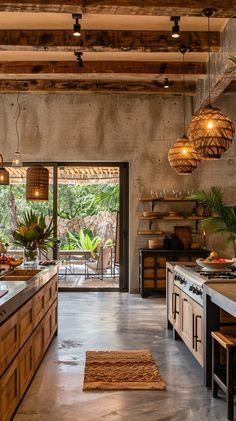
(121, 370)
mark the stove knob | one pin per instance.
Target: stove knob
(191, 288)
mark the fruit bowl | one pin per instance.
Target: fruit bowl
(214, 266)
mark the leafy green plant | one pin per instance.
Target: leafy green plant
(32, 232)
(225, 219)
(83, 241)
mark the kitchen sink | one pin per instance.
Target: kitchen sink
(24, 272)
(20, 275)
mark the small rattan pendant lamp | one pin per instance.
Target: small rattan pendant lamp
(211, 132)
(37, 183)
(182, 156)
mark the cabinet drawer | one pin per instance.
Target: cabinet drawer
(38, 305)
(25, 322)
(9, 392)
(9, 341)
(26, 368)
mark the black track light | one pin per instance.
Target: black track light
(175, 27)
(166, 83)
(79, 60)
(77, 29)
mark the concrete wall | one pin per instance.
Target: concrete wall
(135, 128)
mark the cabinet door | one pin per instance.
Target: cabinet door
(38, 345)
(198, 332)
(47, 296)
(47, 328)
(38, 303)
(26, 368)
(9, 392)
(25, 322)
(54, 288)
(9, 341)
(187, 320)
(54, 318)
(170, 296)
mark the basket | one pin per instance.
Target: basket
(37, 182)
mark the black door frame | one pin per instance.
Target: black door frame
(124, 208)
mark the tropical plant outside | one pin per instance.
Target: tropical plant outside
(225, 219)
(83, 241)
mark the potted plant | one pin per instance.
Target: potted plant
(33, 234)
(224, 220)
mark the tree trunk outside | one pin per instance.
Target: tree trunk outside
(12, 210)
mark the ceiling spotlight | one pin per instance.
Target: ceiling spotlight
(166, 83)
(79, 60)
(175, 27)
(77, 29)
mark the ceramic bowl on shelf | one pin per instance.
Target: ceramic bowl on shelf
(214, 266)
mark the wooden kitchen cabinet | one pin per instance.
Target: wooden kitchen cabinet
(24, 339)
(25, 321)
(9, 341)
(26, 366)
(9, 390)
(186, 331)
(152, 267)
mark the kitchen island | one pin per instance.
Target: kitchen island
(28, 322)
(216, 297)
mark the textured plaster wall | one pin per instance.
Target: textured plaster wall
(135, 128)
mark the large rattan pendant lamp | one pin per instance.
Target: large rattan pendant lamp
(37, 183)
(211, 132)
(182, 156)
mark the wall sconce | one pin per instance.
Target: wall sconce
(78, 55)
(4, 174)
(175, 27)
(37, 183)
(76, 27)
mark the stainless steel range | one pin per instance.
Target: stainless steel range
(190, 279)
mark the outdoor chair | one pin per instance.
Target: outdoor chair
(99, 266)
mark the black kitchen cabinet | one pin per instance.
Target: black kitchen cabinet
(152, 267)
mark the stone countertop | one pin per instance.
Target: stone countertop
(170, 265)
(222, 294)
(20, 291)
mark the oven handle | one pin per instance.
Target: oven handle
(195, 336)
(174, 311)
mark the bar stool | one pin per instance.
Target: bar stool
(223, 375)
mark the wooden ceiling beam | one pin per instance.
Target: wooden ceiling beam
(67, 86)
(103, 41)
(224, 8)
(71, 67)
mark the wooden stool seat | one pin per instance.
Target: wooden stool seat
(223, 376)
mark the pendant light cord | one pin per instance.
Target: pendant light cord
(184, 105)
(209, 62)
(17, 118)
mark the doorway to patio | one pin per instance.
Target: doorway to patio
(88, 227)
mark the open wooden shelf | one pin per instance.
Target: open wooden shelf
(150, 232)
(167, 199)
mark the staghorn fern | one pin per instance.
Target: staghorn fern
(225, 219)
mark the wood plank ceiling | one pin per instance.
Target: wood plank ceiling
(127, 45)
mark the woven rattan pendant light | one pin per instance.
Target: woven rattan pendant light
(37, 183)
(211, 132)
(182, 156)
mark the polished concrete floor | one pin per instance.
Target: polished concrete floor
(112, 320)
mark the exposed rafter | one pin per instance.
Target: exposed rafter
(224, 8)
(91, 40)
(125, 67)
(67, 86)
